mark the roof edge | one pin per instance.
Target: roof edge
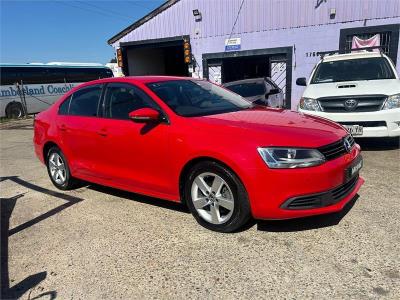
(143, 20)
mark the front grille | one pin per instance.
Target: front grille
(336, 149)
(363, 103)
(366, 123)
(321, 199)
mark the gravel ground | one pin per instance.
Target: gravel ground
(101, 243)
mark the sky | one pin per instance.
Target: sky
(65, 30)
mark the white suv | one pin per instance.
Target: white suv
(359, 90)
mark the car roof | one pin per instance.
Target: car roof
(55, 65)
(250, 80)
(352, 55)
(141, 79)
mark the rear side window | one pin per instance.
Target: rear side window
(64, 107)
(121, 99)
(85, 102)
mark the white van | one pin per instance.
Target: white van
(31, 88)
(360, 90)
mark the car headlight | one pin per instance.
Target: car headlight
(392, 102)
(282, 158)
(309, 104)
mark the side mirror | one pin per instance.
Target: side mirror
(145, 115)
(301, 81)
(272, 92)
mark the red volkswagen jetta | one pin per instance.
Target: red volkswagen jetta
(188, 140)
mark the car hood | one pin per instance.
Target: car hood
(273, 127)
(352, 88)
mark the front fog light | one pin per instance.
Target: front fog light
(280, 158)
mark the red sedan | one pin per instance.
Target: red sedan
(191, 141)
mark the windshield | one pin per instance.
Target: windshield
(354, 69)
(197, 97)
(250, 89)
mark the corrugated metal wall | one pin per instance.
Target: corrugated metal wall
(257, 15)
(268, 24)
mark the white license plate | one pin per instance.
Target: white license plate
(354, 129)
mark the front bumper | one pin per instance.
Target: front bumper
(271, 189)
(391, 117)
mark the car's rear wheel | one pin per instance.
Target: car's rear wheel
(58, 170)
(216, 197)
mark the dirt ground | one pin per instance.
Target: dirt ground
(101, 243)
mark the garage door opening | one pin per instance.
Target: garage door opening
(155, 57)
(238, 65)
(246, 67)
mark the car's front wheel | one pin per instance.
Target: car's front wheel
(59, 171)
(216, 197)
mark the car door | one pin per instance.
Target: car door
(78, 125)
(136, 155)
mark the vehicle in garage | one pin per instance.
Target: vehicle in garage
(261, 91)
(31, 88)
(360, 90)
(191, 141)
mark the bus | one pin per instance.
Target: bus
(31, 88)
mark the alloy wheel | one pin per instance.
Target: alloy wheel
(212, 198)
(57, 168)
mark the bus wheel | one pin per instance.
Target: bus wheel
(14, 110)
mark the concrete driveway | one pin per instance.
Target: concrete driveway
(101, 243)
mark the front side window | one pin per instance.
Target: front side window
(373, 68)
(250, 89)
(121, 99)
(197, 97)
(85, 102)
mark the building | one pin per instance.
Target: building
(237, 39)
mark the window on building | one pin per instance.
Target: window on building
(384, 39)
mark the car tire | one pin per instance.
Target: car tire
(228, 206)
(14, 110)
(58, 170)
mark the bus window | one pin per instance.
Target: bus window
(106, 73)
(33, 75)
(8, 76)
(56, 75)
(87, 74)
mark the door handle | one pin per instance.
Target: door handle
(63, 127)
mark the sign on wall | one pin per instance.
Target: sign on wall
(232, 44)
